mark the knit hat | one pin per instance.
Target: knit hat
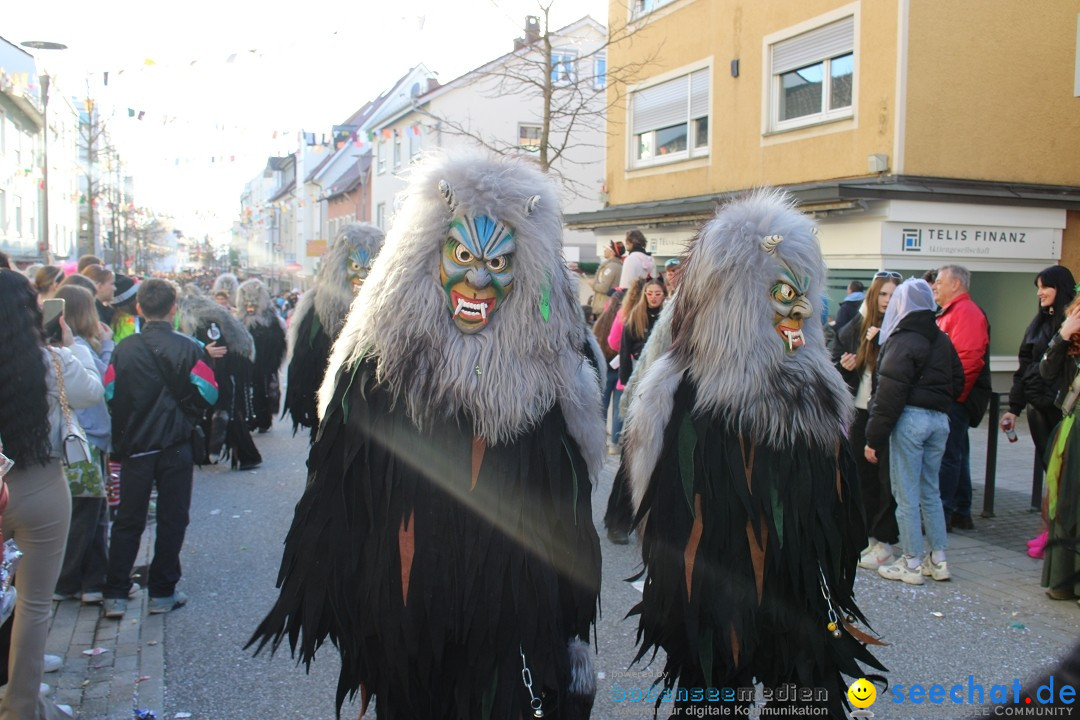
(126, 287)
(618, 248)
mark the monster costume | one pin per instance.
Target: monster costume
(320, 315)
(226, 283)
(445, 541)
(742, 480)
(226, 428)
(268, 332)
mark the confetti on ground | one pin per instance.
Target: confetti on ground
(151, 642)
(215, 512)
(938, 615)
(182, 715)
(142, 678)
(95, 651)
(1018, 626)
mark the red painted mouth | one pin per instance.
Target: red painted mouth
(471, 309)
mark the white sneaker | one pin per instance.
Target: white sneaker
(875, 556)
(53, 663)
(937, 571)
(899, 570)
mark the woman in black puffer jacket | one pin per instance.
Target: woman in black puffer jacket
(918, 376)
(1055, 291)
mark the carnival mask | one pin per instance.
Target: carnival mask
(477, 266)
(359, 263)
(477, 270)
(788, 297)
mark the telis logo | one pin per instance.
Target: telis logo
(911, 239)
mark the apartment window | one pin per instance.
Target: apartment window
(670, 120)
(415, 145)
(380, 216)
(18, 216)
(642, 7)
(600, 72)
(381, 156)
(529, 137)
(397, 149)
(812, 76)
(563, 67)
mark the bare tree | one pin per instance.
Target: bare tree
(573, 96)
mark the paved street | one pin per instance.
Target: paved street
(991, 621)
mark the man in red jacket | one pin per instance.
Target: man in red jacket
(965, 324)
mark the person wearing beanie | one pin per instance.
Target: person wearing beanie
(606, 276)
(125, 319)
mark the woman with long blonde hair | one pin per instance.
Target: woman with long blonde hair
(856, 356)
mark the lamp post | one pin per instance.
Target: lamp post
(45, 246)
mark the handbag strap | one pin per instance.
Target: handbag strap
(64, 407)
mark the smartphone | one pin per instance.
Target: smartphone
(51, 311)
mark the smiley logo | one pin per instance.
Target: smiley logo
(862, 693)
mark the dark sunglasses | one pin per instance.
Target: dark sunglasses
(888, 274)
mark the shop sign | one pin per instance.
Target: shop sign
(974, 241)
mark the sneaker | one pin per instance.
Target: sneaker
(899, 570)
(937, 571)
(618, 537)
(134, 589)
(165, 604)
(61, 597)
(53, 663)
(962, 522)
(92, 598)
(875, 556)
(114, 607)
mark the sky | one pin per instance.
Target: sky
(222, 85)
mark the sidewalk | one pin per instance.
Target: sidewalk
(990, 562)
(129, 674)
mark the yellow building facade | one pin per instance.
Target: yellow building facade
(918, 132)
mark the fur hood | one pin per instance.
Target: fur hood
(254, 292)
(507, 376)
(333, 291)
(226, 282)
(198, 311)
(723, 338)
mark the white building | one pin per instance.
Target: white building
(500, 105)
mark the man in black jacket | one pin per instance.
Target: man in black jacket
(158, 385)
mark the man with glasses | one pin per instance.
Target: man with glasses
(966, 325)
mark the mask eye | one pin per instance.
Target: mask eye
(355, 266)
(462, 255)
(784, 293)
(498, 264)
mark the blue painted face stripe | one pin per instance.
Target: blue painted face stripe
(483, 236)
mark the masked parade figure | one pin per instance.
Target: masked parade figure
(445, 542)
(268, 332)
(320, 316)
(741, 475)
(224, 290)
(226, 429)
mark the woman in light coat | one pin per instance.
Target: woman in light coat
(39, 505)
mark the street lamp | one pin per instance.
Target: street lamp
(45, 80)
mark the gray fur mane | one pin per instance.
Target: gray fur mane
(333, 292)
(510, 374)
(254, 292)
(197, 310)
(226, 282)
(724, 337)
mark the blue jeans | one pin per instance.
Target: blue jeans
(616, 418)
(955, 475)
(916, 445)
(609, 390)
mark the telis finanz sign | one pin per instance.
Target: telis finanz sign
(976, 241)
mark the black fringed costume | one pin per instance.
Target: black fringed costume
(266, 388)
(742, 478)
(378, 538)
(735, 536)
(305, 373)
(444, 542)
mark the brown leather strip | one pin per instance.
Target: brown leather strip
(406, 548)
(690, 554)
(757, 554)
(862, 636)
(734, 647)
(748, 463)
(479, 447)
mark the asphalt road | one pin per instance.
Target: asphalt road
(939, 633)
